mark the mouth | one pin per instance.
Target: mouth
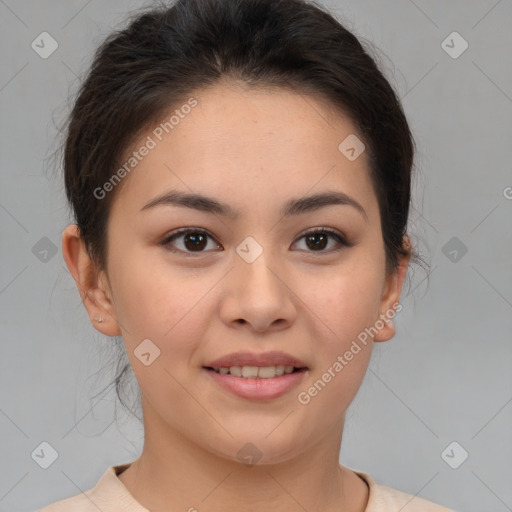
(256, 383)
(256, 372)
(256, 375)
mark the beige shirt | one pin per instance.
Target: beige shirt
(110, 495)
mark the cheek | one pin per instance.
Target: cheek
(340, 310)
(343, 301)
(157, 301)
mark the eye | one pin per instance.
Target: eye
(196, 240)
(317, 238)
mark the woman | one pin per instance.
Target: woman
(239, 173)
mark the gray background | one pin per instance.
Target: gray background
(446, 375)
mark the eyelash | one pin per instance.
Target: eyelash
(342, 241)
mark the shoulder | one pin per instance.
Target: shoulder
(384, 499)
(108, 495)
(78, 503)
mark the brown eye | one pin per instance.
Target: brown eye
(193, 240)
(317, 240)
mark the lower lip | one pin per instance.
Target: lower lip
(258, 389)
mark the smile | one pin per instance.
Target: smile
(257, 382)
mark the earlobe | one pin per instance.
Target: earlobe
(391, 296)
(93, 291)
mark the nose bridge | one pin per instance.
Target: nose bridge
(257, 268)
(258, 293)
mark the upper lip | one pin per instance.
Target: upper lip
(273, 358)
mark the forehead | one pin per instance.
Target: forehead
(246, 145)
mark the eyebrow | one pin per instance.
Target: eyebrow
(292, 207)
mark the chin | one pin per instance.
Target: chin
(259, 448)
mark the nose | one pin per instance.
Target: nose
(259, 296)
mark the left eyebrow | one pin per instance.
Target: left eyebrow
(292, 207)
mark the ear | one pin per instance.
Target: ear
(391, 295)
(92, 284)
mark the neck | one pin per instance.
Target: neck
(174, 473)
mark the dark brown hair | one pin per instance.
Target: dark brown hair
(141, 72)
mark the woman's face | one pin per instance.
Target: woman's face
(253, 282)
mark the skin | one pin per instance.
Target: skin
(254, 150)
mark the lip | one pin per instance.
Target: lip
(258, 389)
(273, 358)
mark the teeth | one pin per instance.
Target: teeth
(249, 372)
(279, 370)
(267, 372)
(236, 371)
(253, 372)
